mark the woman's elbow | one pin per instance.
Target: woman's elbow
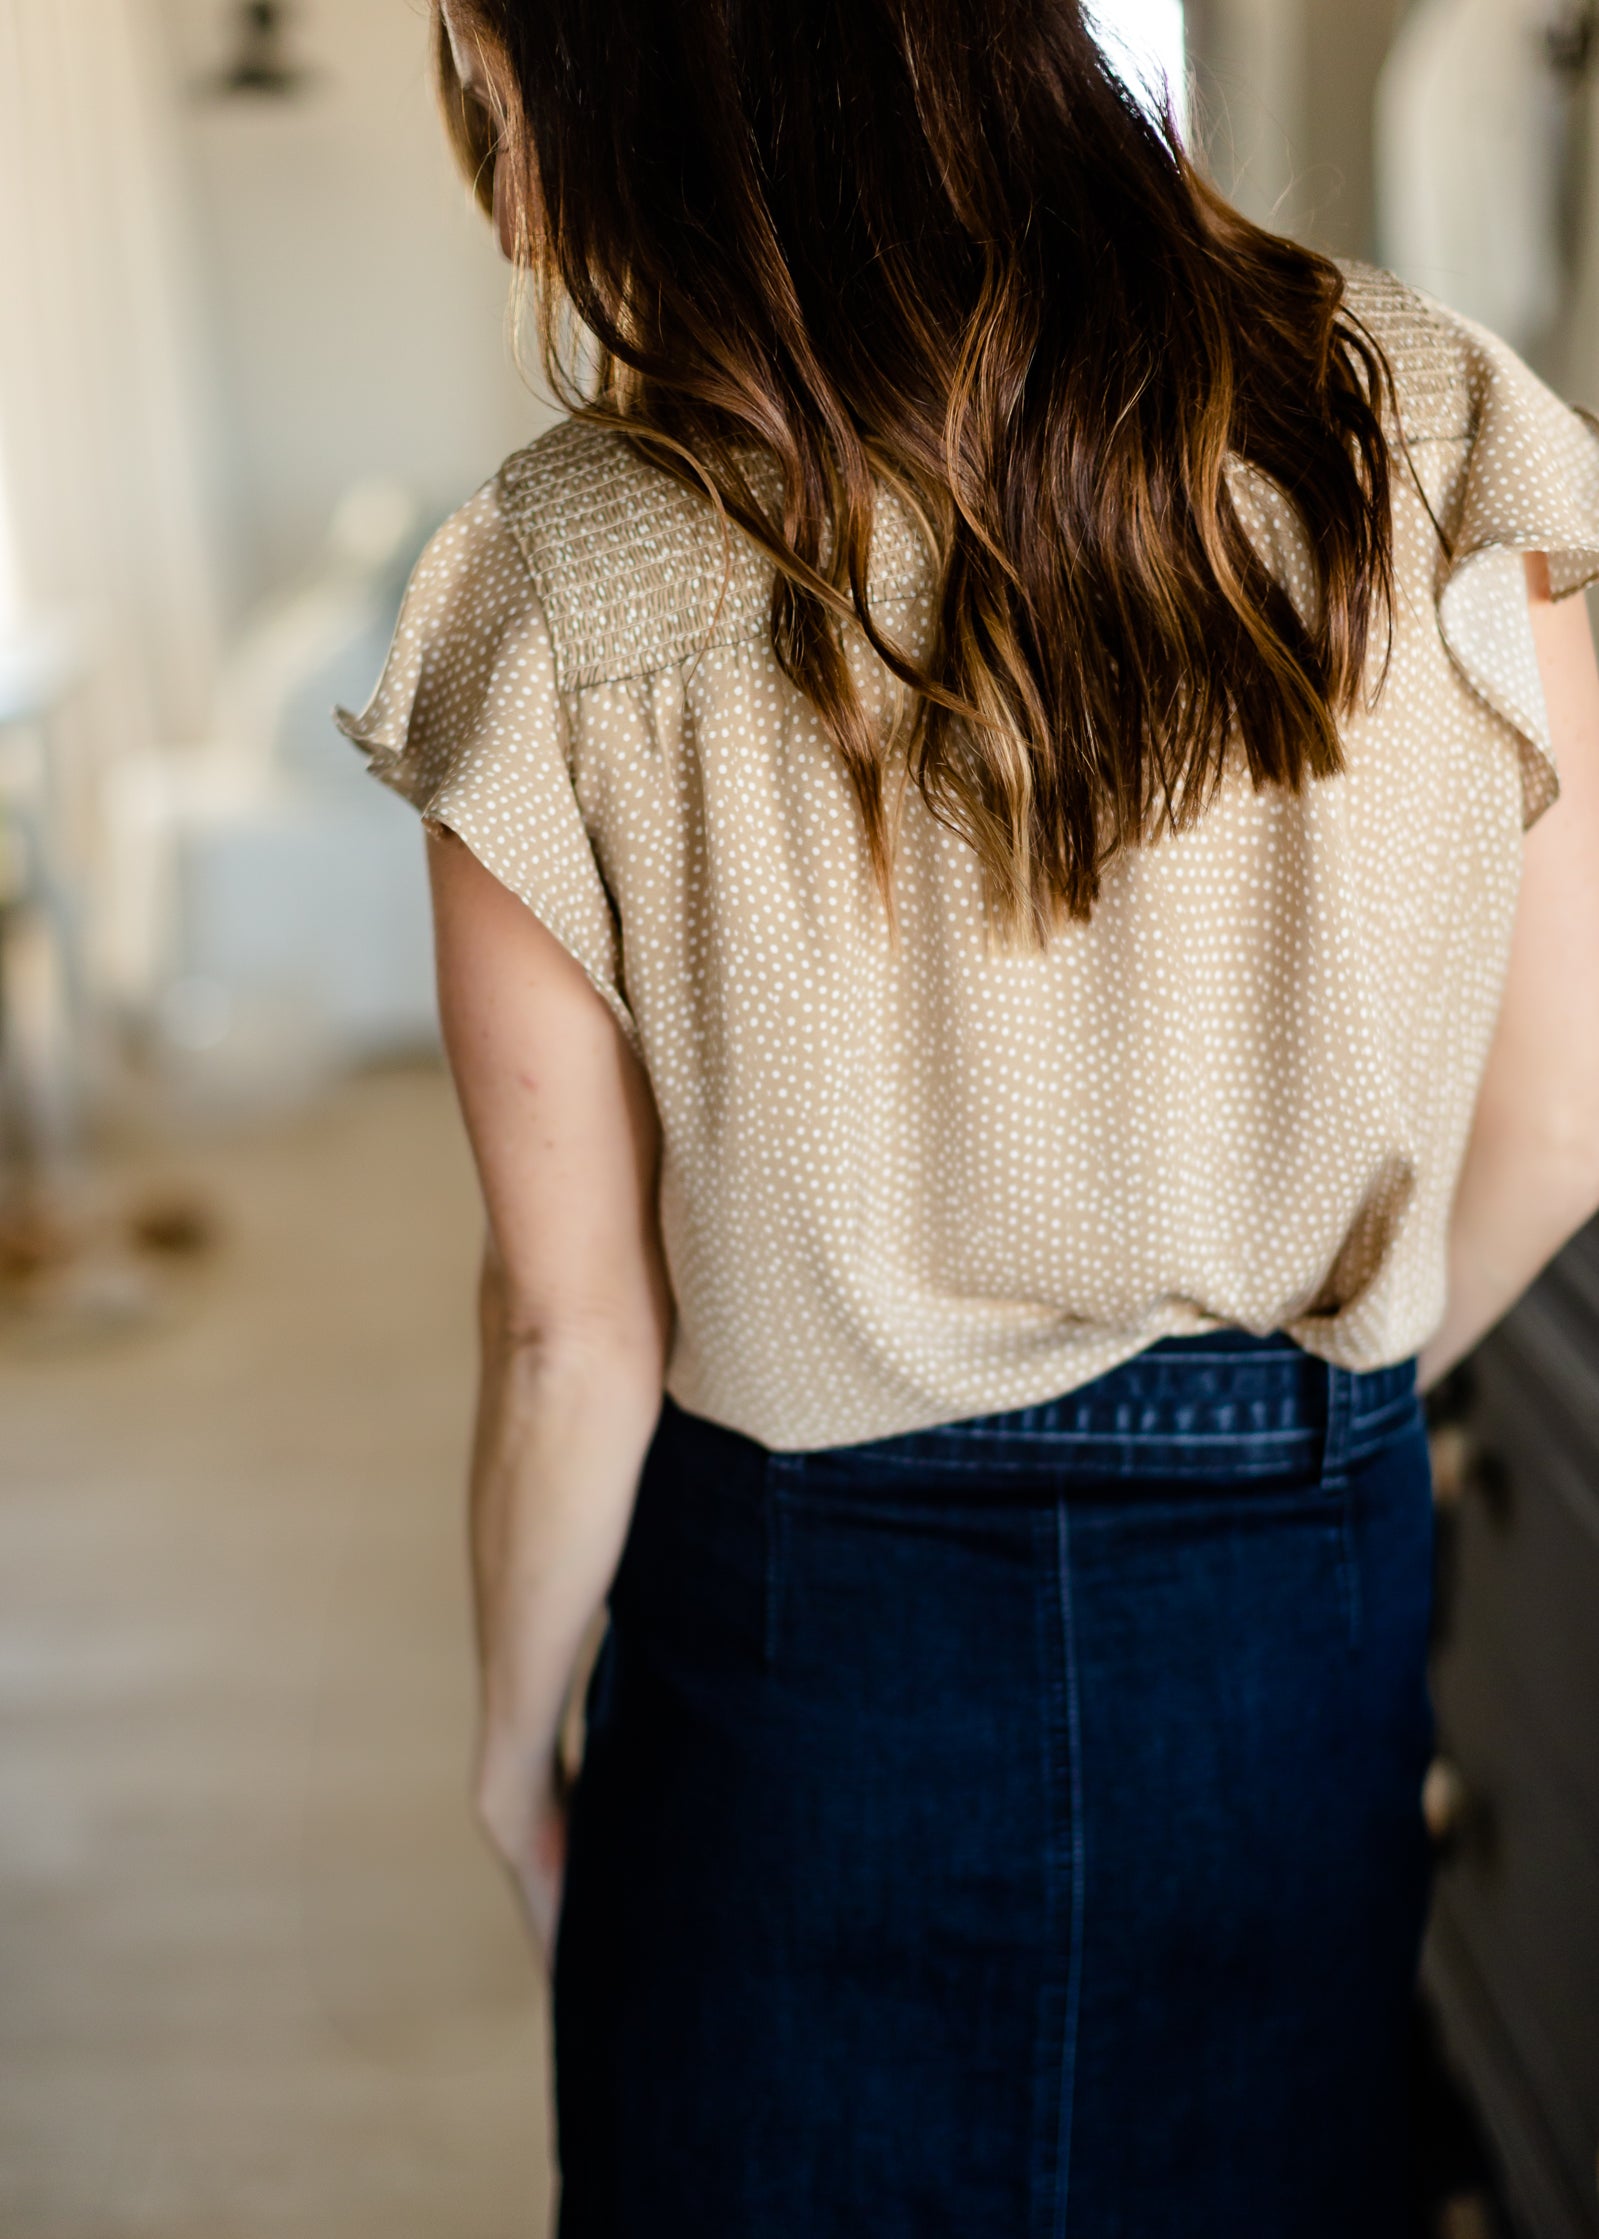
(614, 1346)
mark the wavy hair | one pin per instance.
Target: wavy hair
(938, 247)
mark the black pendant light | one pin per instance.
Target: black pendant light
(1570, 38)
(261, 66)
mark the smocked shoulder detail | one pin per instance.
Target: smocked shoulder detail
(636, 572)
(1426, 349)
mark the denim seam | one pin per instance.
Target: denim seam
(1366, 1440)
(1140, 1519)
(1172, 1435)
(1301, 1489)
(1299, 1497)
(1366, 1430)
(1074, 1979)
(1348, 1562)
(1037, 1463)
(1362, 1422)
(773, 1545)
(1054, 1730)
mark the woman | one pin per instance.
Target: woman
(976, 798)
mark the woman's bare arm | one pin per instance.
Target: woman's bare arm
(1531, 1176)
(574, 1324)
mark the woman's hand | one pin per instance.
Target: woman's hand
(522, 1807)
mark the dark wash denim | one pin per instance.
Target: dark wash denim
(1013, 1828)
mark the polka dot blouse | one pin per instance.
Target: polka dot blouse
(909, 1179)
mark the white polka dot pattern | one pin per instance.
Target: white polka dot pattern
(912, 1178)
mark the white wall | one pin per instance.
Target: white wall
(1285, 109)
(1250, 64)
(354, 299)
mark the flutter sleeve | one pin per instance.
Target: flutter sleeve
(467, 724)
(1527, 481)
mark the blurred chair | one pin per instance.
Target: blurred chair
(266, 904)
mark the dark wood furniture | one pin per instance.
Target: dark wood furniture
(1512, 1964)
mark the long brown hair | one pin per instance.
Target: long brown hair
(938, 246)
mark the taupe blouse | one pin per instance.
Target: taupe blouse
(908, 1181)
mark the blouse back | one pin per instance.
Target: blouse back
(912, 1175)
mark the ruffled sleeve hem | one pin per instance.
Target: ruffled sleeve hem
(466, 724)
(1530, 483)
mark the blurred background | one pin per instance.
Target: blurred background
(257, 1977)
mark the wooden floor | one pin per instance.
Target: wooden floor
(257, 1976)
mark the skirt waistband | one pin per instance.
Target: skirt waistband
(1223, 1405)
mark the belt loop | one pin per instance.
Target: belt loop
(1335, 1446)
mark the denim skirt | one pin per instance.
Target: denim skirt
(1012, 1828)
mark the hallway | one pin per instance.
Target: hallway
(260, 1980)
